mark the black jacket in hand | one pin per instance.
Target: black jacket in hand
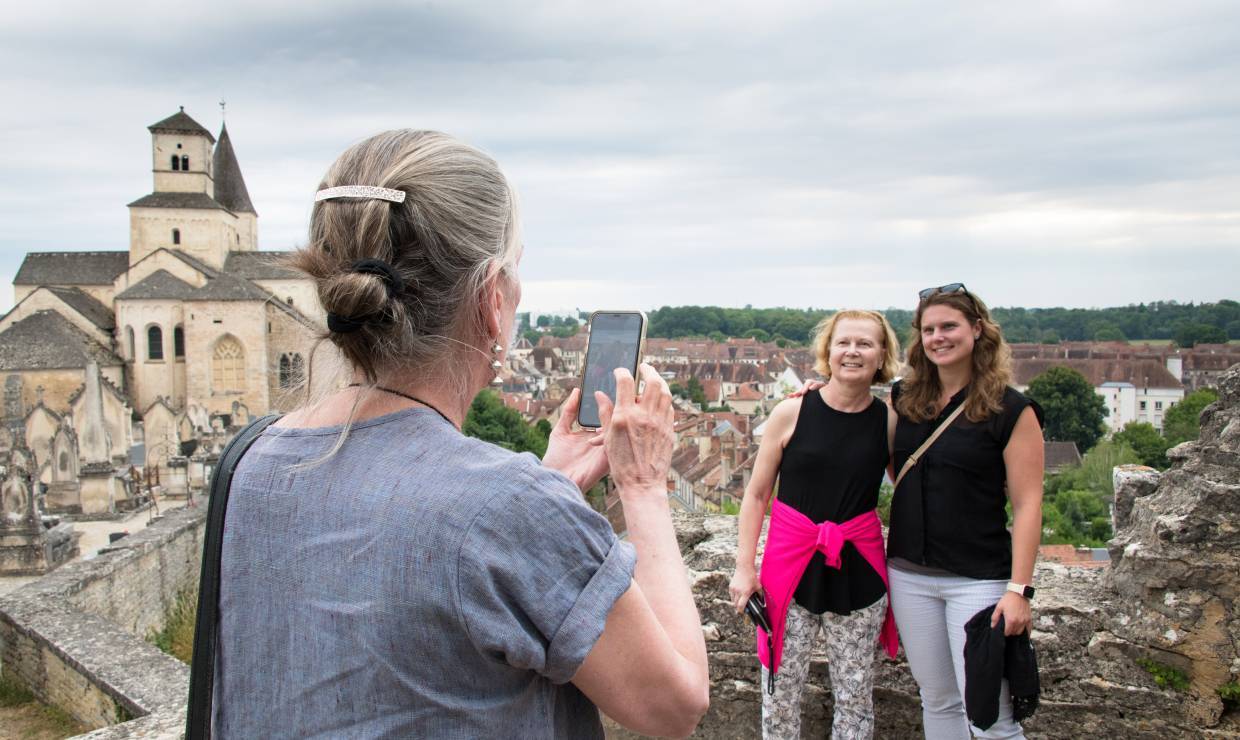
(990, 657)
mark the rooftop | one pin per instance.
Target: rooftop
(200, 201)
(180, 123)
(71, 268)
(45, 340)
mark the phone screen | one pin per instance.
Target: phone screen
(615, 340)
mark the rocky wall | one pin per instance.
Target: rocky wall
(76, 637)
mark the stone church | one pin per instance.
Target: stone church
(190, 329)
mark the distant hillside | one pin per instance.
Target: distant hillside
(1184, 323)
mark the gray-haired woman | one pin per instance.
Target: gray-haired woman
(384, 575)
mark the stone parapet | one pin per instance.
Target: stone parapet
(76, 637)
(1091, 684)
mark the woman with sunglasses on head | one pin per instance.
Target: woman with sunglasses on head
(950, 554)
(823, 566)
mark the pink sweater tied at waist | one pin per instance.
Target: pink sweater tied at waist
(791, 540)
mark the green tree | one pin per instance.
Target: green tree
(1145, 440)
(1050, 336)
(1183, 420)
(696, 393)
(1108, 332)
(1076, 517)
(544, 321)
(1190, 335)
(490, 420)
(760, 334)
(532, 336)
(1074, 413)
(1095, 471)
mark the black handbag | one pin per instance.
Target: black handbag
(202, 670)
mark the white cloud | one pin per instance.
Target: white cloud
(672, 154)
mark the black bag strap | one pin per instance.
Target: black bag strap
(202, 670)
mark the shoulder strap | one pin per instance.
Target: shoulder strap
(202, 670)
(913, 458)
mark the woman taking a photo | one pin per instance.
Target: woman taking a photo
(823, 566)
(384, 575)
(949, 549)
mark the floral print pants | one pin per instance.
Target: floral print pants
(850, 647)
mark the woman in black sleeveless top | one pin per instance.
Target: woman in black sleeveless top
(828, 450)
(950, 552)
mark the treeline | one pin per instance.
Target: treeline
(1187, 324)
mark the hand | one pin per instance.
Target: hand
(578, 455)
(744, 584)
(808, 386)
(638, 438)
(1016, 613)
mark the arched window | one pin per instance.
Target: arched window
(176, 162)
(292, 370)
(228, 366)
(129, 344)
(154, 343)
(64, 461)
(176, 236)
(185, 162)
(178, 343)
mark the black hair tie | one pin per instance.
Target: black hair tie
(395, 286)
(391, 280)
(344, 324)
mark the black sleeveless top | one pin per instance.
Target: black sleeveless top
(831, 470)
(949, 510)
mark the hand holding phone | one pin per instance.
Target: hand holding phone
(616, 341)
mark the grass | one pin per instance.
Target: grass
(22, 715)
(177, 636)
(1164, 675)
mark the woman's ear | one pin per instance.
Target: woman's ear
(492, 303)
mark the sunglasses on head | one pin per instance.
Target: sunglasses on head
(949, 288)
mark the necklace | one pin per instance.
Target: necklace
(415, 399)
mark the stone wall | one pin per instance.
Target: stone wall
(77, 636)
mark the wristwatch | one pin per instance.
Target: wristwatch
(1022, 589)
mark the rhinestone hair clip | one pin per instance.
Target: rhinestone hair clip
(361, 191)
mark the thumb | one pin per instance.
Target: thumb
(605, 408)
(568, 412)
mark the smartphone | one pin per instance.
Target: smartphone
(617, 339)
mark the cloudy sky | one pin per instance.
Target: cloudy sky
(785, 153)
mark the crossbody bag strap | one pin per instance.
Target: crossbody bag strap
(202, 670)
(913, 458)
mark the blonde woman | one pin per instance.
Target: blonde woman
(950, 552)
(823, 568)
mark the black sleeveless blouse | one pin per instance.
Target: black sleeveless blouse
(831, 470)
(949, 510)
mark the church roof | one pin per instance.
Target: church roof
(227, 287)
(71, 268)
(159, 284)
(181, 123)
(260, 266)
(45, 340)
(177, 200)
(94, 311)
(230, 188)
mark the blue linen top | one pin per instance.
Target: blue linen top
(419, 583)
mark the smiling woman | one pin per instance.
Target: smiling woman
(828, 448)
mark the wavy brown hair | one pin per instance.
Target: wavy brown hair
(992, 365)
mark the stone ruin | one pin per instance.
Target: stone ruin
(1166, 606)
(30, 542)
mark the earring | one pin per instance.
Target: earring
(497, 349)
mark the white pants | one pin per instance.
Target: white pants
(931, 612)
